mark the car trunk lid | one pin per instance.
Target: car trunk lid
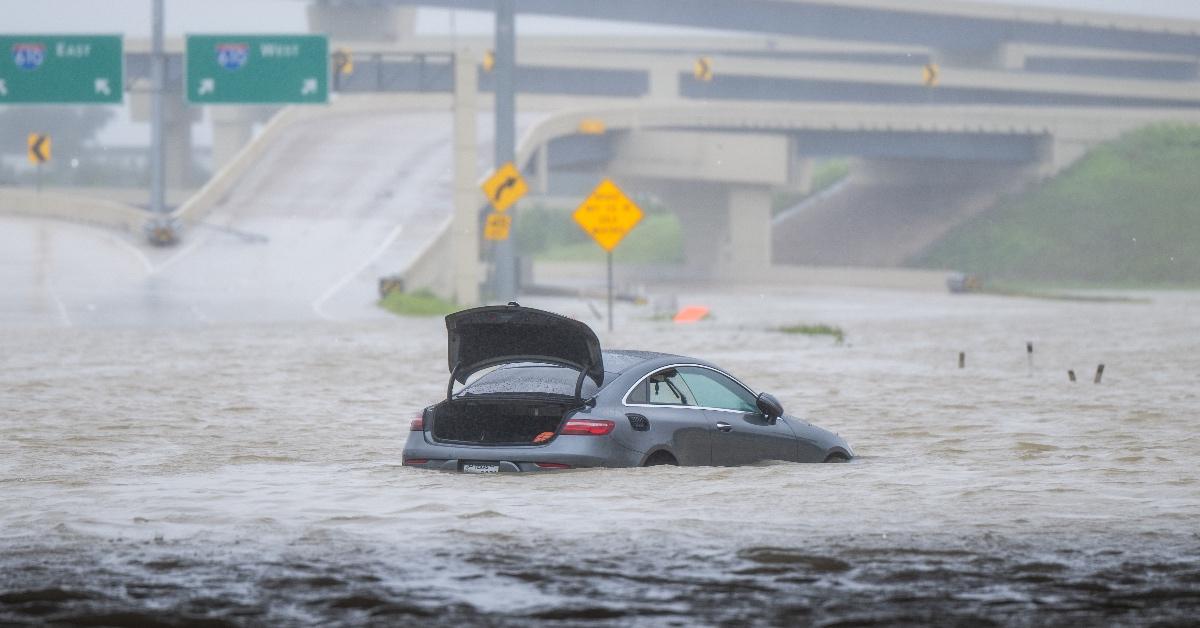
(498, 334)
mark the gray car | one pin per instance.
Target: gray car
(544, 396)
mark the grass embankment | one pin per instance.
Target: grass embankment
(419, 303)
(816, 330)
(1126, 215)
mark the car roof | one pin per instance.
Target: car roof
(618, 361)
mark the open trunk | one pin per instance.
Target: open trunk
(498, 421)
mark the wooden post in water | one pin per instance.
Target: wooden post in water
(1071, 375)
(1099, 374)
(1029, 355)
(962, 359)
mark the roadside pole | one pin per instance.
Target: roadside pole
(505, 288)
(610, 291)
(158, 228)
(157, 149)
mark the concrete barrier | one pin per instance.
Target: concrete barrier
(432, 268)
(73, 208)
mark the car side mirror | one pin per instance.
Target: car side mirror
(769, 406)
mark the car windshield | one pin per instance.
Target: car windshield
(529, 378)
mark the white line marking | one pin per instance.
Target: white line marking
(191, 246)
(141, 257)
(335, 288)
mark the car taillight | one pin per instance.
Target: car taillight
(587, 427)
(552, 465)
(411, 461)
(417, 425)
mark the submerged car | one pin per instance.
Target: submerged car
(545, 396)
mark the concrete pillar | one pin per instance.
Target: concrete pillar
(177, 139)
(800, 174)
(361, 21)
(467, 197)
(177, 132)
(747, 254)
(703, 218)
(664, 82)
(233, 128)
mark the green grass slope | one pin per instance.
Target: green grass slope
(1127, 214)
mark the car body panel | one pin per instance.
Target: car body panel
(751, 438)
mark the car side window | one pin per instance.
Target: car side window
(666, 388)
(714, 390)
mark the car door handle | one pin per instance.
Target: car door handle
(724, 427)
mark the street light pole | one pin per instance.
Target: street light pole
(157, 150)
(159, 229)
(505, 288)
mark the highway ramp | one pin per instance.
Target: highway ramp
(887, 212)
(332, 202)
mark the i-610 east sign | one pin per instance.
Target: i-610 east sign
(61, 69)
(237, 69)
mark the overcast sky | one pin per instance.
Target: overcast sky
(132, 17)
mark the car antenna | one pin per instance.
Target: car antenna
(514, 304)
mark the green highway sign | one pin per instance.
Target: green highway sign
(240, 69)
(83, 69)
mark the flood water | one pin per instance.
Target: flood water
(249, 474)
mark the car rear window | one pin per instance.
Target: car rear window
(530, 378)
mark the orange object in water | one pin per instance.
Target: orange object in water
(543, 437)
(691, 314)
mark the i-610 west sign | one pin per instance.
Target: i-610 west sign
(84, 69)
(239, 69)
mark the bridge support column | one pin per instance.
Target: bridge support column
(177, 134)
(361, 21)
(704, 223)
(177, 139)
(467, 198)
(664, 82)
(747, 253)
(800, 174)
(726, 228)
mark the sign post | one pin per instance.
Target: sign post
(504, 188)
(39, 153)
(608, 216)
(262, 69)
(77, 69)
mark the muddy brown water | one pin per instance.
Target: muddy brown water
(247, 474)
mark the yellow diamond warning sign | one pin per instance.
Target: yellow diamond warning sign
(39, 148)
(607, 215)
(505, 187)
